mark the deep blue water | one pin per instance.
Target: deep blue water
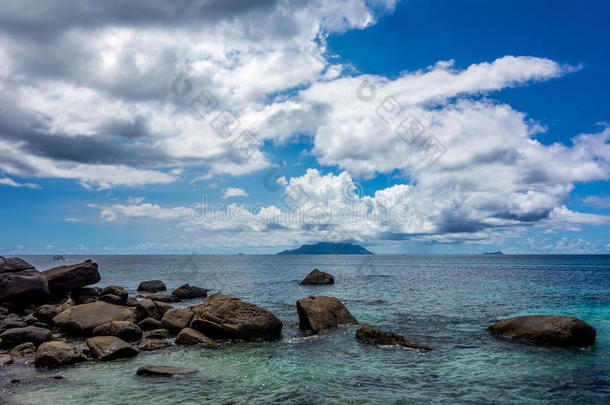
(441, 301)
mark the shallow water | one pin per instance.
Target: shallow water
(441, 301)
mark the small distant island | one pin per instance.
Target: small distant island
(493, 253)
(328, 248)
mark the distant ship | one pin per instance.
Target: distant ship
(59, 257)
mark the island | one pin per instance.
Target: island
(493, 253)
(328, 248)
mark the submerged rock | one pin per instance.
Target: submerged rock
(190, 337)
(319, 313)
(57, 354)
(149, 370)
(317, 277)
(33, 334)
(110, 347)
(177, 319)
(82, 319)
(189, 292)
(368, 335)
(547, 330)
(64, 279)
(125, 330)
(21, 282)
(152, 286)
(225, 317)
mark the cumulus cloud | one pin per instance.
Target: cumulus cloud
(234, 192)
(147, 210)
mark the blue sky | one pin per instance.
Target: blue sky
(100, 154)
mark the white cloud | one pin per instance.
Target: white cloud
(10, 182)
(234, 192)
(597, 201)
(147, 210)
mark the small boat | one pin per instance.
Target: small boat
(59, 257)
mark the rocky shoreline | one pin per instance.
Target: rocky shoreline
(53, 319)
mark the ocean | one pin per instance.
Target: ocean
(442, 301)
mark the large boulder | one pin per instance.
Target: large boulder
(177, 319)
(15, 336)
(190, 337)
(85, 295)
(189, 292)
(225, 317)
(57, 354)
(64, 279)
(152, 286)
(125, 330)
(151, 309)
(21, 282)
(368, 335)
(319, 313)
(317, 277)
(110, 348)
(149, 370)
(547, 330)
(82, 319)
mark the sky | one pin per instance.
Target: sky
(218, 127)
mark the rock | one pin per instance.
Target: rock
(112, 299)
(157, 334)
(163, 298)
(547, 330)
(12, 322)
(319, 313)
(188, 292)
(5, 359)
(125, 330)
(190, 337)
(317, 277)
(64, 279)
(85, 295)
(82, 319)
(225, 317)
(368, 335)
(131, 302)
(21, 282)
(57, 354)
(152, 286)
(110, 347)
(15, 336)
(149, 324)
(117, 291)
(149, 370)
(177, 319)
(151, 309)
(46, 313)
(24, 349)
(147, 345)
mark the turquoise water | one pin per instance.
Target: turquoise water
(441, 301)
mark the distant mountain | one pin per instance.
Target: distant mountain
(328, 248)
(493, 253)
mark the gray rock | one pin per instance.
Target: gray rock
(21, 282)
(152, 286)
(57, 354)
(110, 347)
(319, 313)
(15, 336)
(64, 279)
(5, 359)
(191, 337)
(177, 319)
(317, 277)
(547, 330)
(368, 335)
(163, 298)
(125, 330)
(225, 317)
(82, 319)
(149, 370)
